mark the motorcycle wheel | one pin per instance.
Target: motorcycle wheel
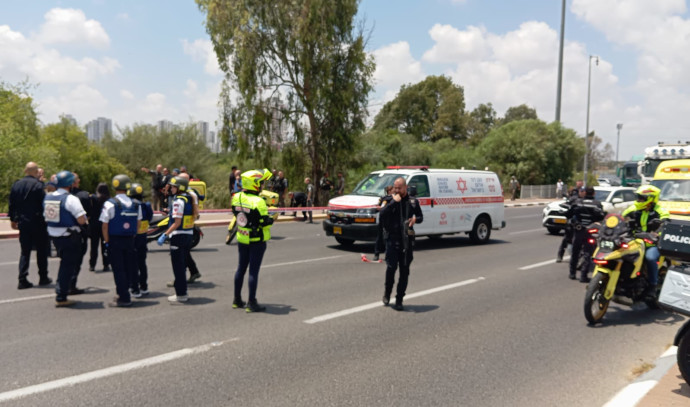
(683, 357)
(196, 237)
(595, 303)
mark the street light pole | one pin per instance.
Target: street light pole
(559, 86)
(619, 126)
(589, 88)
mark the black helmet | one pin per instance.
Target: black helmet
(181, 183)
(122, 182)
(136, 190)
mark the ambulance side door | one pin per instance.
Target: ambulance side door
(424, 184)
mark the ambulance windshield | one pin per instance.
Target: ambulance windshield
(374, 184)
(673, 189)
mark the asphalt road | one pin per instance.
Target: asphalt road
(481, 328)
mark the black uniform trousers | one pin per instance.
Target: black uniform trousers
(96, 237)
(250, 255)
(180, 245)
(568, 238)
(83, 247)
(68, 249)
(123, 259)
(33, 235)
(140, 282)
(397, 258)
(580, 244)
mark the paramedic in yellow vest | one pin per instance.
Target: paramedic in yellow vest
(253, 231)
(180, 234)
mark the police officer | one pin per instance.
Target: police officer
(139, 284)
(25, 212)
(398, 216)
(568, 238)
(121, 219)
(253, 231)
(645, 209)
(64, 214)
(582, 213)
(180, 232)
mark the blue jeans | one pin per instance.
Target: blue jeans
(250, 255)
(651, 257)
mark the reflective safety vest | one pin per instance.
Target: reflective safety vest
(55, 212)
(253, 221)
(146, 216)
(125, 221)
(187, 215)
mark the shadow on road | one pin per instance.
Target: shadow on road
(421, 244)
(618, 315)
(418, 309)
(205, 249)
(279, 309)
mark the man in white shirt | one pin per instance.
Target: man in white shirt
(63, 214)
(120, 217)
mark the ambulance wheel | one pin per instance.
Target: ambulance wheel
(435, 237)
(196, 237)
(481, 232)
(344, 242)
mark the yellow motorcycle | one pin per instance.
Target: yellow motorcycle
(271, 199)
(620, 273)
(159, 227)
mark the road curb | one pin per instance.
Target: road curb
(637, 390)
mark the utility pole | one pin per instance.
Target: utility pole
(560, 65)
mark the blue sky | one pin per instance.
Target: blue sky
(143, 61)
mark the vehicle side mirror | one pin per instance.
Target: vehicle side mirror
(617, 200)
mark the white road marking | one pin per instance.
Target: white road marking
(635, 391)
(527, 231)
(301, 261)
(543, 263)
(378, 303)
(36, 297)
(110, 371)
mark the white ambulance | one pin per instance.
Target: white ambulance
(452, 201)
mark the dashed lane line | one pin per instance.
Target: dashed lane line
(373, 305)
(110, 371)
(543, 263)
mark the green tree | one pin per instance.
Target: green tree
(481, 120)
(522, 112)
(533, 151)
(430, 110)
(298, 62)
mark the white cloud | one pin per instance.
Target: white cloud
(22, 57)
(453, 45)
(71, 26)
(82, 101)
(127, 95)
(395, 66)
(202, 51)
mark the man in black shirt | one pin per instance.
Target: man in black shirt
(84, 198)
(398, 216)
(26, 215)
(581, 214)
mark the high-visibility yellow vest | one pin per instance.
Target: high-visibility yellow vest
(253, 224)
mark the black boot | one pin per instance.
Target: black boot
(376, 257)
(398, 304)
(649, 293)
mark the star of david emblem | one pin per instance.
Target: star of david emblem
(462, 185)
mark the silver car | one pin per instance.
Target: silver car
(613, 200)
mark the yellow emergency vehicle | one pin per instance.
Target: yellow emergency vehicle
(672, 177)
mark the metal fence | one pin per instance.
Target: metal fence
(538, 191)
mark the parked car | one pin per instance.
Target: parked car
(608, 181)
(613, 199)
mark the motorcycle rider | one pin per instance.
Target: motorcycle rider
(582, 213)
(568, 238)
(253, 231)
(644, 210)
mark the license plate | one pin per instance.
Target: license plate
(337, 230)
(558, 220)
(605, 244)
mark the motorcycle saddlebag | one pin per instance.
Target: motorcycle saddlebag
(675, 293)
(674, 242)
